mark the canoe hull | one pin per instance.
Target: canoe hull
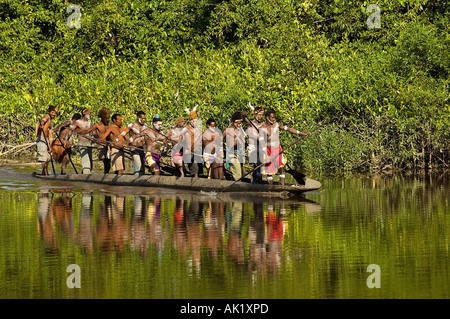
(187, 183)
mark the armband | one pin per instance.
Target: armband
(286, 128)
(123, 133)
(131, 139)
(298, 132)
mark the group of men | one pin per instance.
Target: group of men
(145, 144)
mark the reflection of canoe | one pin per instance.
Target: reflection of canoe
(189, 183)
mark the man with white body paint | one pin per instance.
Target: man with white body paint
(269, 138)
(137, 141)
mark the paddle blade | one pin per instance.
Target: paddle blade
(299, 177)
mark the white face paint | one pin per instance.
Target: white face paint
(157, 125)
(88, 117)
(259, 117)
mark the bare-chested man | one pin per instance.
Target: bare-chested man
(114, 134)
(175, 135)
(44, 138)
(99, 129)
(192, 142)
(213, 150)
(84, 145)
(253, 127)
(269, 137)
(154, 141)
(235, 141)
(137, 141)
(62, 144)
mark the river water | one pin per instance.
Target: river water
(356, 237)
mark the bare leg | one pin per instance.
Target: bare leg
(282, 176)
(64, 166)
(179, 166)
(44, 168)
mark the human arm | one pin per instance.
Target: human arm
(293, 130)
(61, 126)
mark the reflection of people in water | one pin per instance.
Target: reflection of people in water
(54, 217)
(85, 236)
(254, 242)
(45, 220)
(111, 230)
(61, 209)
(275, 232)
(214, 226)
(194, 232)
(156, 233)
(257, 234)
(235, 245)
(179, 228)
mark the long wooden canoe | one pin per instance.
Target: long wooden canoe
(189, 183)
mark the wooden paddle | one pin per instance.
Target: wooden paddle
(299, 177)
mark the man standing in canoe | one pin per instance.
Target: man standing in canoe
(137, 141)
(114, 135)
(213, 150)
(175, 135)
(154, 142)
(84, 145)
(62, 145)
(269, 138)
(253, 127)
(99, 129)
(44, 138)
(235, 141)
(192, 153)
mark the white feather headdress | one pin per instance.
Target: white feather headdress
(192, 114)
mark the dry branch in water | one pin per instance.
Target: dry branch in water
(15, 148)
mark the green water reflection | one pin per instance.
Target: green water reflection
(163, 244)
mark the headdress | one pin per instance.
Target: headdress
(193, 113)
(86, 110)
(157, 118)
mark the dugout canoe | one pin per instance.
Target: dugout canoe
(189, 183)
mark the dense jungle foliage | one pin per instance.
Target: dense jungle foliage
(384, 89)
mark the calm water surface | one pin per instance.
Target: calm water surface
(149, 243)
